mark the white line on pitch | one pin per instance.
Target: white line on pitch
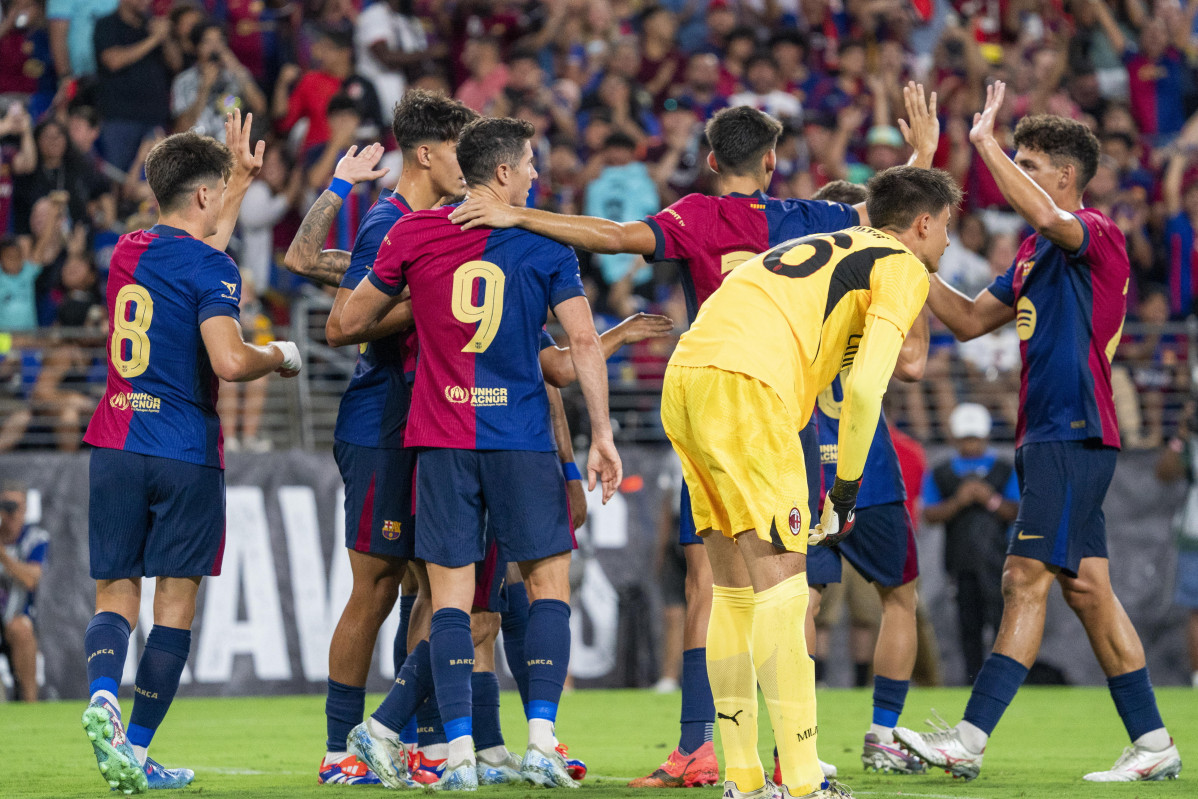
(924, 795)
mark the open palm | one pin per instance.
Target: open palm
(983, 123)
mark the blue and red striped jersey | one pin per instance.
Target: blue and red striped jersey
(374, 407)
(1069, 310)
(713, 235)
(480, 298)
(882, 481)
(161, 394)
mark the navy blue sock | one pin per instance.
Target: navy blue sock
(1136, 702)
(399, 650)
(158, 675)
(412, 686)
(993, 690)
(515, 626)
(487, 732)
(453, 661)
(698, 708)
(343, 709)
(106, 644)
(889, 698)
(429, 729)
(547, 652)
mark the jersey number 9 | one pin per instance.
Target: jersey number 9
(134, 330)
(486, 313)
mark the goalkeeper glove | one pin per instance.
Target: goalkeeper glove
(837, 520)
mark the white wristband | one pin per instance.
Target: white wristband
(291, 355)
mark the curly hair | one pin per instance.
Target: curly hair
(423, 116)
(1062, 140)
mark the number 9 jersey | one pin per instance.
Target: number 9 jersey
(161, 393)
(479, 299)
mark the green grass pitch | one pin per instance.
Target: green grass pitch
(270, 747)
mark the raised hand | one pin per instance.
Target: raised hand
(641, 326)
(479, 211)
(983, 123)
(922, 131)
(246, 162)
(359, 167)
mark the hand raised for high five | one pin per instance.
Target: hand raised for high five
(246, 162)
(359, 167)
(921, 129)
(983, 123)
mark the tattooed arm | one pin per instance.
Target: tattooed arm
(305, 256)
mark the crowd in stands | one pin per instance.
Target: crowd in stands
(618, 91)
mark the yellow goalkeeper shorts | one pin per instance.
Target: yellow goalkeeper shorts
(740, 454)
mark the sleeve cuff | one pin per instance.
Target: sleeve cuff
(220, 309)
(383, 285)
(562, 295)
(1085, 237)
(659, 239)
(1007, 298)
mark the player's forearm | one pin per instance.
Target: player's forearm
(396, 320)
(227, 221)
(922, 158)
(954, 309)
(589, 365)
(248, 362)
(874, 363)
(913, 357)
(1029, 200)
(587, 232)
(305, 256)
(561, 429)
(27, 574)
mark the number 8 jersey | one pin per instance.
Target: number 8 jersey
(479, 299)
(161, 393)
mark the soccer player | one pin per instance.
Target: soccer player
(743, 379)
(710, 236)
(369, 437)
(479, 408)
(1067, 294)
(157, 489)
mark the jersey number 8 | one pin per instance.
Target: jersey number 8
(134, 330)
(489, 312)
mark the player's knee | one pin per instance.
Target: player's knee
(484, 627)
(1023, 583)
(1082, 599)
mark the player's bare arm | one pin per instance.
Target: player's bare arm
(565, 453)
(921, 129)
(967, 318)
(364, 311)
(913, 356)
(247, 162)
(397, 318)
(1017, 181)
(588, 232)
(236, 361)
(558, 366)
(305, 256)
(603, 464)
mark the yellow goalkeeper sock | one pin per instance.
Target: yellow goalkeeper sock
(787, 679)
(734, 685)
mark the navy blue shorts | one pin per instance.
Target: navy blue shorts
(518, 496)
(378, 499)
(150, 516)
(823, 566)
(686, 520)
(882, 545)
(1062, 485)
(490, 580)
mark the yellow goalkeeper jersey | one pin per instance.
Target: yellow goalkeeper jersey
(794, 317)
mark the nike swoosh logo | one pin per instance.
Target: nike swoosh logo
(1025, 537)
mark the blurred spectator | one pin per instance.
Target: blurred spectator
(256, 32)
(276, 190)
(975, 495)
(240, 405)
(1180, 193)
(661, 61)
(308, 99)
(344, 122)
(136, 57)
(18, 156)
(185, 16)
(26, 66)
(18, 275)
(700, 86)
(1180, 460)
(763, 90)
(23, 550)
(1156, 361)
(72, 26)
(60, 168)
(1156, 72)
(203, 94)
(623, 192)
(488, 75)
(390, 41)
(71, 376)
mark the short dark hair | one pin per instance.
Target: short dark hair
(901, 194)
(7, 241)
(341, 102)
(619, 139)
(338, 38)
(841, 191)
(761, 57)
(742, 32)
(424, 116)
(1061, 140)
(179, 163)
(740, 136)
(488, 142)
(202, 27)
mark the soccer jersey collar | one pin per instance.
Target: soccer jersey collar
(167, 230)
(757, 195)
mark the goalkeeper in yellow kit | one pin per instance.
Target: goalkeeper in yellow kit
(739, 387)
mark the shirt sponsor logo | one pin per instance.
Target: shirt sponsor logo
(137, 400)
(478, 396)
(391, 530)
(1025, 318)
(676, 215)
(230, 290)
(827, 453)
